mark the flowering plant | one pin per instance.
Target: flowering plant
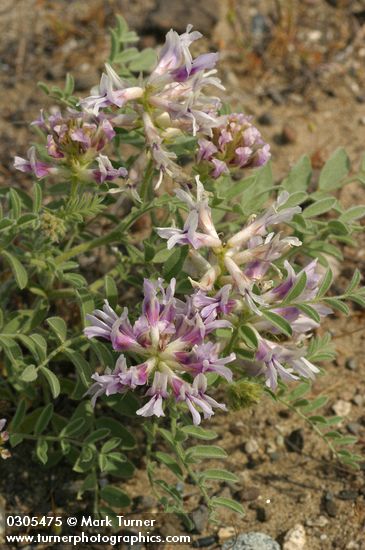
(221, 296)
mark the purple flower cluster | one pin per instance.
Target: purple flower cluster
(176, 84)
(242, 266)
(174, 92)
(170, 102)
(74, 144)
(4, 436)
(235, 143)
(171, 340)
(254, 247)
(271, 358)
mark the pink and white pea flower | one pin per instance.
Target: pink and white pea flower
(34, 166)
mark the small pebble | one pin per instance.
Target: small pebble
(225, 533)
(270, 448)
(263, 514)
(252, 463)
(247, 494)
(200, 517)
(358, 400)
(330, 507)
(288, 135)
(362, 420)
(265, 119)
(342, 408)
(144, 502)
(314, 35)
(296, 98)
(320, 521)
(236, 427)
(351, 363)
(354, 428)
(251, 446)
(274, 457)
(294, 442)
(204, 542)
(295, 539)
(251, 541)
(56, 71)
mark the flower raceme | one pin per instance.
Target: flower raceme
(253, 246)
(170, 101)
(74, 145)
(235, 143)
(244, 264)
(174, 86)
(171, 339)
(271, 358)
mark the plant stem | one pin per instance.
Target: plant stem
(181, 455)
(60, 293)
(146, 182)
(232, 341)
(113, 236)
(96, 495)
(151, 436)
(74, 188)
(311, 424)
(59, 349)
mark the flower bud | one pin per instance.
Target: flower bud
(243, 394)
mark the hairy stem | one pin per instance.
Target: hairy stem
(113, 236)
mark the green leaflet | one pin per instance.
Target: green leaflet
(58, 326)
(228, 503)
(17, 268)
(206, 451)
(334, 171)
(277, 321)
(220, 475)
(199, 433)
(114, 496)
(52, 381)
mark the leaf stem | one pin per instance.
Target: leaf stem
(311, 424)
(181, 455)
(113, 236)
(59, 349)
